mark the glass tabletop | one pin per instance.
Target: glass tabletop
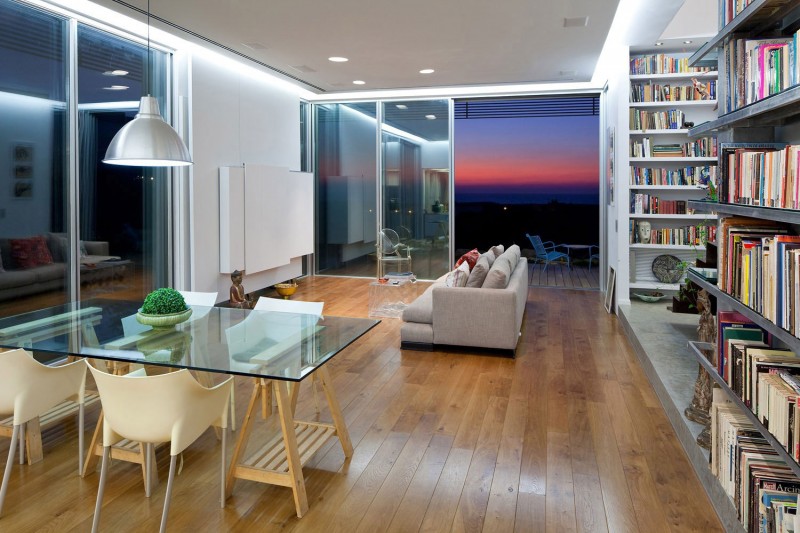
(285, 346)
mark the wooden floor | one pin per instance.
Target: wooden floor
(569, 436)
(556, 275)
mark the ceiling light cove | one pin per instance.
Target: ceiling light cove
(427, 71)
(116, 72)
(358, 82)
(338, 59)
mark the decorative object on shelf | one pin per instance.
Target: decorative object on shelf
(163, 308)
(698, 410)
(649, 297)
(667, 268)
(643, 228)
(286, 289)
(147, 140)
(238, 298)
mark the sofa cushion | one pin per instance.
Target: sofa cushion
(49, 272)
(59, 247)
(501, 270)
(458, 277)
(12, 279)
(30, 252)
(498, 250)
(470, 257)
(490, 257)
(421, 309)
(478, 274)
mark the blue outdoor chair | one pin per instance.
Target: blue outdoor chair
(546, 251)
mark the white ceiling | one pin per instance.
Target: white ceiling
(467, 42)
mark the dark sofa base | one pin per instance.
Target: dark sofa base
(429, 347)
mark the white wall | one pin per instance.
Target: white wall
(29, 122)
(436, 154)
(237, 117)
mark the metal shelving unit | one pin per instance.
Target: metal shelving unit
(788, 216)
(696, 350)
(772, 110)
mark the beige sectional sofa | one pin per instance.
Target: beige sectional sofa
(478, 317)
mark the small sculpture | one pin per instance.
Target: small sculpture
(239, 299)
(698, 410)
(643, 228)
(701, 89)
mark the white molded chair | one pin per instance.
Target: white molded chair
(28, 389)
(170, 407)
(199, 299)
(289, 306)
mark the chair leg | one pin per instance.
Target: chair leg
(148, 466)
(22, 444)
(101, 489)
(224, 471)
(9, 463)
(80, 438)
(168, 497)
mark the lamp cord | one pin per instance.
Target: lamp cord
(147, 72)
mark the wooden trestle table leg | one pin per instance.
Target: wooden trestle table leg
(285, 413)
(336, 413)
(260, 388)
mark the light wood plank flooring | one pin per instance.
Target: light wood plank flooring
(569, 436)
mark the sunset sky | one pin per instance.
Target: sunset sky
(527, 160)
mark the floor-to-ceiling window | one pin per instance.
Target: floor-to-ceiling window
(121, 220)
(346, 166)
(416, 181)
(122, 208)
(33, 158)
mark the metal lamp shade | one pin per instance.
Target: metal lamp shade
(147, 141)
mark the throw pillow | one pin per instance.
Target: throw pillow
(499, 274)
(489, 255)
(470, 257)
(498, 250)
(478, 274)
(458, 277)
(30, 252)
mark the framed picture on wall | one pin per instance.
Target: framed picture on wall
(22, 170)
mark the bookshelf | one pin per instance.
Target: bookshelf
(748, 115)
(665, 166)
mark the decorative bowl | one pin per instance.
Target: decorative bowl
(285, 289)
(650, 297)
(163, 321)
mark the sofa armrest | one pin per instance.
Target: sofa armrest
(467, 316)
(96, 247)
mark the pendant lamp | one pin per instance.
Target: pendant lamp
(147, 140)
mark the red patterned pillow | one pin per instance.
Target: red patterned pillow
(30, 252)
(470, 257)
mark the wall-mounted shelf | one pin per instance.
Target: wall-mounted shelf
(791, 342)
(673, 159)
(675, 103)
(789, 216)
(769, 111)
(759, 14)
(696, 350)
(679, 131)
(640, 246)
(687, 217)
(674, 76)
(654, 285)
(687, 188)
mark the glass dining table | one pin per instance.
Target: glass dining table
(276, 350)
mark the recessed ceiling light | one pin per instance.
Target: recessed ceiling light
(358, 82)
(401, 106)
(687, 42)
(576, 22)
(338, 59)
(659, 43)
(427, 71)
(116, 72)
(116, 88)
(430, 117)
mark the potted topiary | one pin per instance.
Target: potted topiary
(163, 308)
